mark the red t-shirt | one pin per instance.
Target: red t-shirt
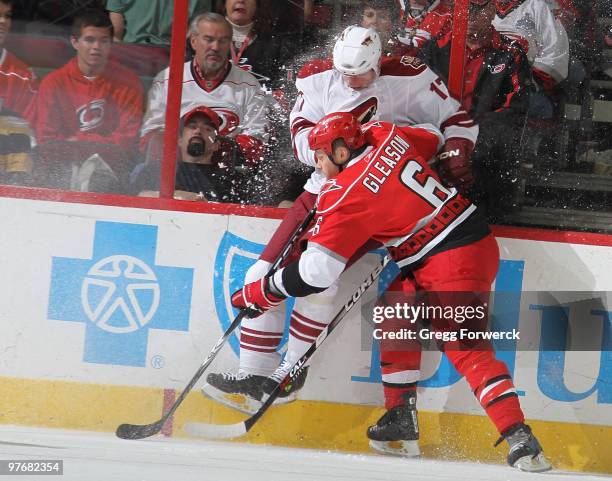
(17, 85)
(106, 109)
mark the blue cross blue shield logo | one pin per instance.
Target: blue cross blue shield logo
(234, 257)
(120, 294)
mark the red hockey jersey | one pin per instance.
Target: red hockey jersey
(107, 109)
(391, 195)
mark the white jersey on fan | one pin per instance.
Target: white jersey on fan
(534, 21)
(237, 98)
(405, 93)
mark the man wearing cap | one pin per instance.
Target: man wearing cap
(497, 83)
(210, 79)
(198, 176)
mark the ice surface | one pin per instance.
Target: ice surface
(102, 457)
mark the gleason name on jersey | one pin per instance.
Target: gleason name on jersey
(380, 171)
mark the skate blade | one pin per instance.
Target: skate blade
(240, 402)
(408, 449)
(532, 464)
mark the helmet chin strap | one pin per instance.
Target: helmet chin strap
(355, 153)
(340, 166)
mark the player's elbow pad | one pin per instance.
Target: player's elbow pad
(294, 285)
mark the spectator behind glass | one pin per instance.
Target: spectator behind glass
(211, 80)
(198, 177)
(496, 88)
(147, 21)
(253, 47)
(89, 106)
(384, 17)
(17, 81)
(548, 53)
(426, 20)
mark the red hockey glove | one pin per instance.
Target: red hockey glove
(256, 297)
(454, 164)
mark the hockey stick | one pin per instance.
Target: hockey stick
(224, 431)
(140, 431)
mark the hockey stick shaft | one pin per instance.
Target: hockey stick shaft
(234, 430)
(138, 431)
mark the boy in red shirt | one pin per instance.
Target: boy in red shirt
(90, 105)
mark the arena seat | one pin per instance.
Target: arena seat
(40, 52)
(143, 60)
(45, 53)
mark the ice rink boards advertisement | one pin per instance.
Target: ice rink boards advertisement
(106, 313)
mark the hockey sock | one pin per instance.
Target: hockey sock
(492, 385)
(303, 331)
(259, 339)
(400, 373)
(400, 359)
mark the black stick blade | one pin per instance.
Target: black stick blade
(138, 431)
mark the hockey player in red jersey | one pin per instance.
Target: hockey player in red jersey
(382, 188)
(402, 90)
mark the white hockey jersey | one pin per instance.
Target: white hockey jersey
(237, 98)
(534, 21)
(405, 93)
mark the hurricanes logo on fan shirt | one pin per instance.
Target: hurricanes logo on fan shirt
(91, 115)
(229, 121)
(494, 69)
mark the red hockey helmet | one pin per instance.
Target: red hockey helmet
(339, 125)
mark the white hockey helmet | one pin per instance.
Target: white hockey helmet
(357, 51)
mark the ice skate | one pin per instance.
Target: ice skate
(289, 392)
(525, 450)
(244, 392)
(239, 391)
(397, 431)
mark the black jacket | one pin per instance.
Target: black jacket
(503, 81)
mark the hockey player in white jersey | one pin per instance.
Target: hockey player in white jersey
(399, 90)
(211, 80)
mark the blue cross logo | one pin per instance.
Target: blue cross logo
(120, 294)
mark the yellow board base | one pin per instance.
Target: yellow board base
(304, 424)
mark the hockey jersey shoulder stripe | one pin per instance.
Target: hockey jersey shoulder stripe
(314, 67)
(405, 66)
(300, 123)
